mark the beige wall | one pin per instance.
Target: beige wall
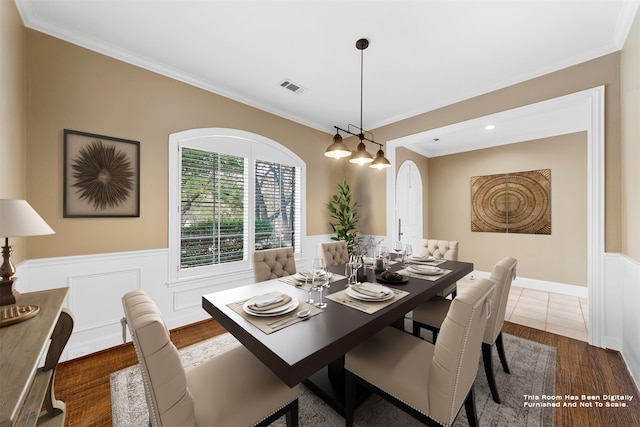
(630, 169)
(78, 89)
(13, 115)
(559, 257)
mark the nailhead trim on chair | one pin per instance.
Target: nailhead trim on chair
(153, 420)
(464, 346)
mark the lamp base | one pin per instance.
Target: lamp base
(8, 293)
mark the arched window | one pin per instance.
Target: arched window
(230, 192)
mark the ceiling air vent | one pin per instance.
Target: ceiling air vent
(293, 87)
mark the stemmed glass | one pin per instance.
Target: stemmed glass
(397, 247)
(348, 271)
(408, 250)
(320, 280)
(358, 262)
(308, 282)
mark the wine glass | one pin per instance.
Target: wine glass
(348, 271)
(408, 250)
(397, 247)
(319, 280)
(358, 262)
(308, 282)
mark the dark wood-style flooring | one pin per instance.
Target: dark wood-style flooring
(83, 384)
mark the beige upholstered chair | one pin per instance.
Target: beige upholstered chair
(334, 253)
(430, 382)
(441, 249)
(273, 263)
(432, 313)
(233, 388)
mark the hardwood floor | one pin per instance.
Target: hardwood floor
(83, 384)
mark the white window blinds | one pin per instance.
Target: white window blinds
(213, 214)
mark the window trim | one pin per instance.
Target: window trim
(227, 141)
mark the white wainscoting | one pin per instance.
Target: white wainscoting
(625, 300)
(97, 282)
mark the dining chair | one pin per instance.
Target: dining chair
(233, 388)
(431, 314)
(273, 263)
(441, 249)
(429, 382)
(334, 253)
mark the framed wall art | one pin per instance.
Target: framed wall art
(512, 203)
(101, 176)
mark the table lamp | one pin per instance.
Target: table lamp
(17, 219)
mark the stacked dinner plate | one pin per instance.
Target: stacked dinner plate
(424, 269)
(304, 275)
(369, 292)
(268, 305)
(425, 258)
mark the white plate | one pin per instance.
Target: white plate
(357, 295)
(302, 275)
(422, 258)
(424, 269)
(277, 311)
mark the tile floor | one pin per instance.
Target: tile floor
(559, 314)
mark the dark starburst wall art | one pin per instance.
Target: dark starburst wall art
(101, 176)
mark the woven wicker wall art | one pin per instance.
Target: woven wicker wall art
(512, 203)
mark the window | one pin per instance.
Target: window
(231, 192)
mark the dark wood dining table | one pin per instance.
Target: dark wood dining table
(312, 351)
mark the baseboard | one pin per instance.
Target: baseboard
(541, 285)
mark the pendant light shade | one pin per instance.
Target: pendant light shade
(380, 161)
(361, 156)
(337, 150)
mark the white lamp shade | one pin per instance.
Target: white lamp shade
(18, 219)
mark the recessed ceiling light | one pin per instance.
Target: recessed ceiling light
(489, 127)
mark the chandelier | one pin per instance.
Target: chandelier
(361, 156)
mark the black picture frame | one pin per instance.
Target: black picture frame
(101, 176)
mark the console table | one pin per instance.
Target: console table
(25, 387)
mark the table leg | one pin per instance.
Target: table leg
(329, 384)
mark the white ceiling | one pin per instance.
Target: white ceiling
(422, 54)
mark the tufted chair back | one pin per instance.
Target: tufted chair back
(502, 275)
(334, 253)
(457, 351)
(165, 384)
(273, 263)
(440, 249)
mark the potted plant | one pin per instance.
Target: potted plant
(345, 213)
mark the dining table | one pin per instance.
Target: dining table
(311, 350)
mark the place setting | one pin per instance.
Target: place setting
(305, 276)
(367, 297)
(425, 259)
(273, 311)
(426, 272)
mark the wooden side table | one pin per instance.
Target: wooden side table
(24, 387)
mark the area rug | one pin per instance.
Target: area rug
(532, 368)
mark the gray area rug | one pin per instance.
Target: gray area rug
(532, 368)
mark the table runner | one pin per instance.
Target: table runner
(265, 323)
(369, 307)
